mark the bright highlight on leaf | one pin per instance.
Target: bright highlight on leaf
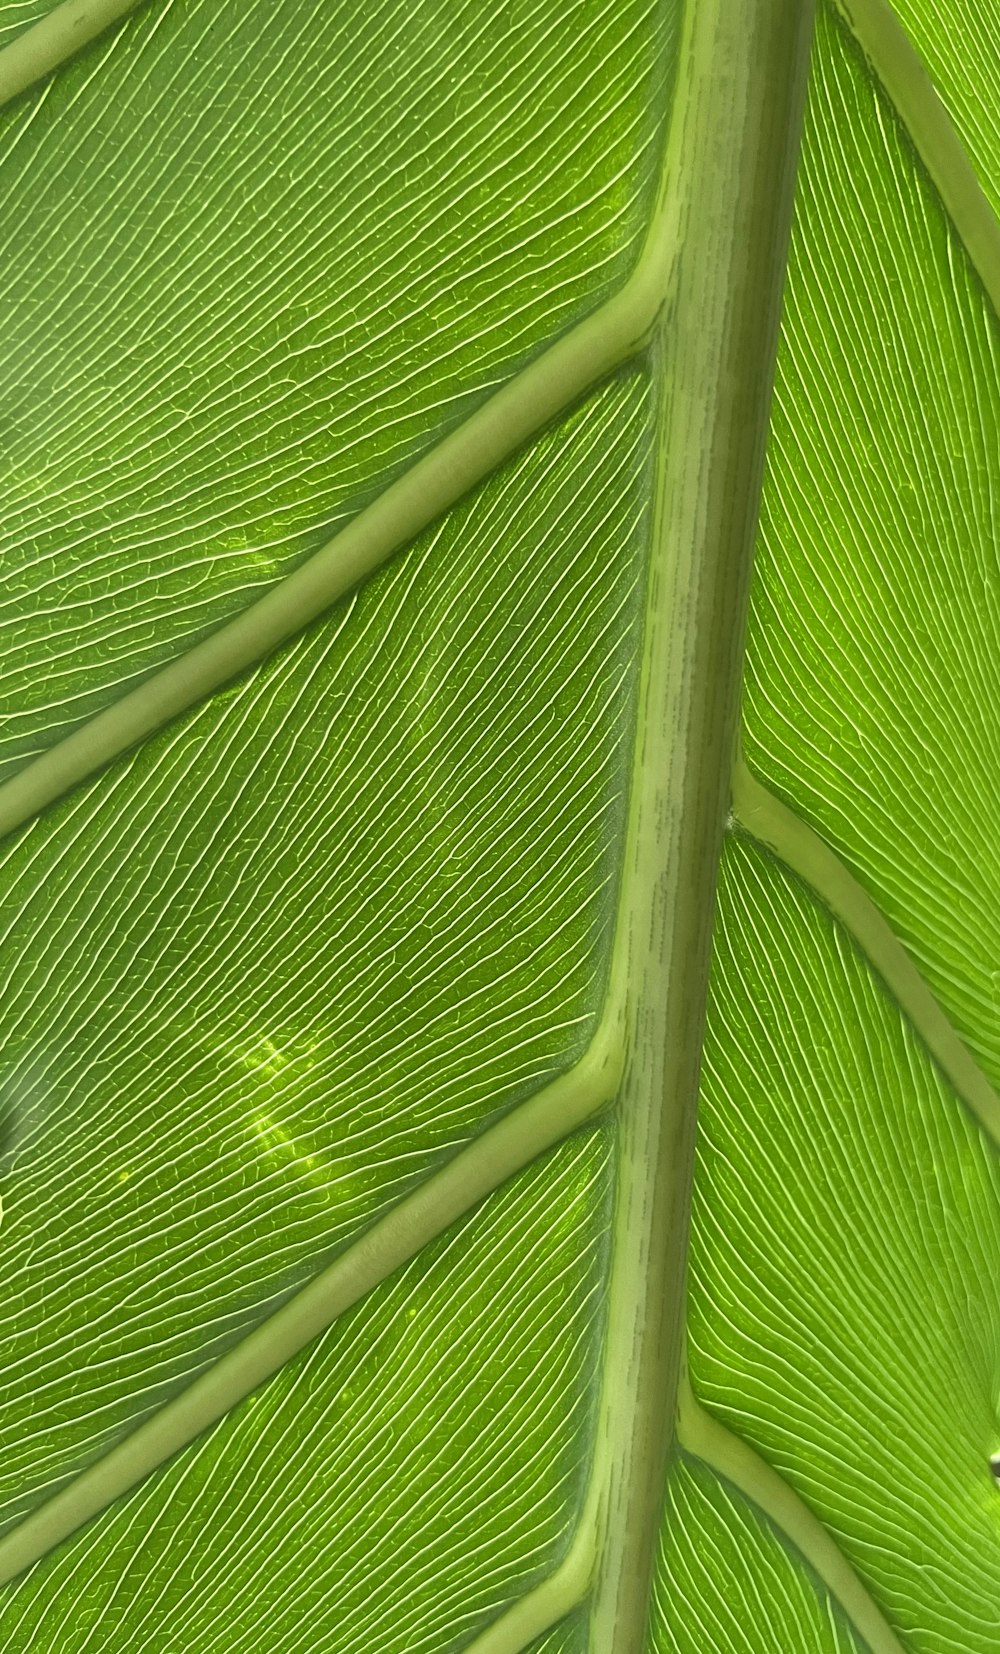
(479, 1172)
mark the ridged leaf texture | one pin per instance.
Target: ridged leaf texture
(500, 1140)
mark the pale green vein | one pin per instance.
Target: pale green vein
(503, 1149)
(549, 1601)
(596, 346)
(738, 1463)
(587, 353)
(901, 71)
(688, 703)
(773, 824)
(53, 39)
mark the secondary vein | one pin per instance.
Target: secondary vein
(898, 66)
(496, 1155)
(59, 35)
(549, 1601)
(732, 1458)
(591, 350)
(773, 824)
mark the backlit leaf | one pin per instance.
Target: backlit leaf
(478, 1171)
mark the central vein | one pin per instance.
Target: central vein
(728, 185)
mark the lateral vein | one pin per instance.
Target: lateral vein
(547, 1602)
(595, 347)
(898, 66)
(59, 35)
(733, 1459)
(765, 818)
(448, 1194)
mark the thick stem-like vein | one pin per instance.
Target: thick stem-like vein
(701, 1435)
(58, 35)
(501, 1150)
(892, 56)
(729, 173)
(773, 824)
(542, 390)
(587, 353)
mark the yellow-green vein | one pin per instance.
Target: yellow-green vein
(55, 37)
(725, 1453)
(551, 1599)
(899, 68)
(500, 1151)
(773, 824)
(595, 347)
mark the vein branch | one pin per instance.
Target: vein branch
(901, 71)
(55, 37)
(548, 1602)
(496, 1155)
(733, 1459)
(773, 824)
(610, 336)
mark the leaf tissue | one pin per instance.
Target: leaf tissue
(499, 848)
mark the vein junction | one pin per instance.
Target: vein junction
(603, 341)
(733, 1459)
(774, 825)
(496, 1155)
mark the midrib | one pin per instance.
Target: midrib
(730, 170)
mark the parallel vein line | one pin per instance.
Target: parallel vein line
(900, 69)
(539, 1609)
(733, 1459)
(773, 824)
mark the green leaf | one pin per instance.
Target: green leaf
(725, 1575)
(480, 1170)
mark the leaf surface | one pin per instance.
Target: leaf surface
(380, 972)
